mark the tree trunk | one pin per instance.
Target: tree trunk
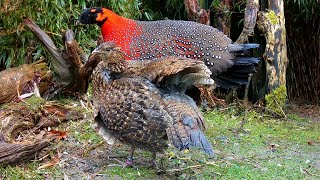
(250, 18)
(272, 24)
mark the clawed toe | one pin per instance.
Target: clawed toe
(129, 162)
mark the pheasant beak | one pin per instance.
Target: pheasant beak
(78, 22)
(117, 48)
(96, 50)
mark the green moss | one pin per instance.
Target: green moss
(86, 133)
(28, 171)
(272, 17)
(34, 103)
(276, 100)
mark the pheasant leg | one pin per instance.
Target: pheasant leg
(129, 160)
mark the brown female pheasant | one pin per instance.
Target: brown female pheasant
(142, 103)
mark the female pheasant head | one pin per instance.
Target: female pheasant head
(110, 57)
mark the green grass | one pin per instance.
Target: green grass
(265, 148)
(129, 173)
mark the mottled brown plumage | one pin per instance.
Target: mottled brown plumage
(142, 103)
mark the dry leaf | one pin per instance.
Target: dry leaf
(53, 162)
(59, 134)
(310, 142)
(40, 135)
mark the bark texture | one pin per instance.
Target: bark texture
(250, 18)
(197, 13)
(272, 24)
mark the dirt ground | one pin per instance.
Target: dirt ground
(305, 111)
(265, 148)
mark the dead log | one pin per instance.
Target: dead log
(67, 64)
(60, 65)
(31, 113)
(22, 124)
(14, 153)
(23, 79)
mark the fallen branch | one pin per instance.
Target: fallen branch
(59, 63)
(69, 66)
(13, 153)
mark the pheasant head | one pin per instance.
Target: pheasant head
(110, 57)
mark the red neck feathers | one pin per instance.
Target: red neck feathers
(120, 30)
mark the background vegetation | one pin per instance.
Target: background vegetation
(18, 45)
(303, 40)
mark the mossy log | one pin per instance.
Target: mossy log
(272, 24)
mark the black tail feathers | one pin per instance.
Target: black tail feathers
(238, 74)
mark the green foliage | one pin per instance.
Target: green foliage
(160, 9)
(307, 9)
(130, 9)
(18, 45)
(219, 7)
(276, 100)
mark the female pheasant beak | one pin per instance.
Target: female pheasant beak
(106, 47)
